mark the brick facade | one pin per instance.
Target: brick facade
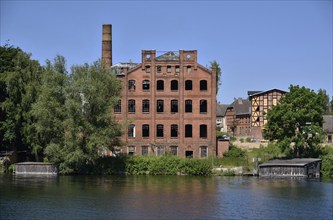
(158, 84)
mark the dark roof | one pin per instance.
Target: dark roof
(241, 106)
(118, 67)
(221, 109)
(249, 93)
(255, 93)
(291, 162)
(168, 56)
(328, 123)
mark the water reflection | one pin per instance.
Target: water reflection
(163, 197)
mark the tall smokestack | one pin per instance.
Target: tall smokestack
(107, 46)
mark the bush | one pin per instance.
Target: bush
(235, 152)
(242, 140)
(195, 167)
(248, 139)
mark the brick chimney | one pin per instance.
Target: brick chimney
(107, 46)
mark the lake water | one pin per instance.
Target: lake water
(163, 197)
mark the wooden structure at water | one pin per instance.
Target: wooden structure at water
(36, 168)
(300, 167)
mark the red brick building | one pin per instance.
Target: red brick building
(238, 116)
(168, 103)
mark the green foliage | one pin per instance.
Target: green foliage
(234, 152)
(327, 162)
(248, 140)
(19, 86)
(215, 64)
(241, 140)
(296, 123)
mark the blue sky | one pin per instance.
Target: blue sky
(260, 45)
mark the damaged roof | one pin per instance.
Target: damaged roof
(168, 56)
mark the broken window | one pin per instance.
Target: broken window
(145, 106)
(160, 106)
(188, 85)
(131, 131)
(145, 85)
(131, 106)
(188, 130)
(131, 150)
(145, 130)
(117, 107)
(174, 130)
(174, 150)
(174, 85)
(203, 131)
(203, 85)
(203, 106)
(188, 105)
(159, 130)
(203, 151)
(131, 85)
(174, 106)
(189, 154)
(189, 68)
(160, 151)
(169, 69)
(160, 85)
(147, 69)
(144, 150)
(177, 69)
(159, 69)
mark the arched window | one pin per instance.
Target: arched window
(159, 130)
(131, 85)
(131, 106)
(131, 131)
(145, 105)
(203, 106)
(188, 105)
(203, 131)
(145, 85)
(203, 85)
(174, 85)
(188, 130)
(160, 85)
(174, 130)
(188, 85)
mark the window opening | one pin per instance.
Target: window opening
(169, 69)
(203, 106)
(160, 106)
(188, 105)
(188, 130)
(145, 130)
(159, 69)
(131, 85)
(145, 85)
(203, 85)
(203, 131)
(160, 151)
(160, 85)
(117, 107)
(174, 150)
(203, 151)
(174, 130)
(131, 106)
(159, 130)
(131, 150)
(131, 131)
(145, 106)
(144, 150)
(188, 85)
(174, 85)
(189, 154)
(174, 106)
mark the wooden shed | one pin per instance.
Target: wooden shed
(300, 167)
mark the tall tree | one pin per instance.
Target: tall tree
(20, 81)
(324, 100)
(215, 64)
(48, 111)
(89, 125)
(296, 122)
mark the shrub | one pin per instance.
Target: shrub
(234, 152)
(242, 140)
(248, 139)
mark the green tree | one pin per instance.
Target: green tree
(89, 125)
(296, 123)
(324, 100)
(215, 64)
(48, 111)
(19, 84)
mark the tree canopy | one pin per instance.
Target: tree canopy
(57, 116)
(296, 122)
